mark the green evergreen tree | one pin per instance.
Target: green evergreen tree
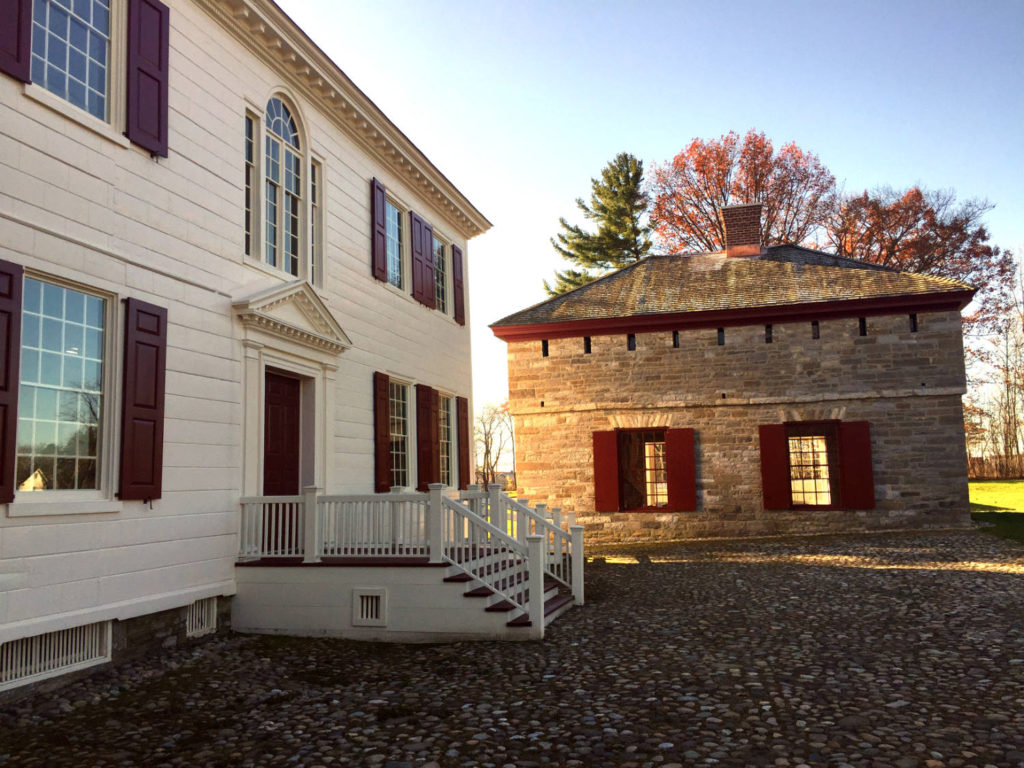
(617, 205)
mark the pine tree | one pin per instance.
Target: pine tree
(617, 205)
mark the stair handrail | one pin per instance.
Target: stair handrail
(510, 581)
(560, 542)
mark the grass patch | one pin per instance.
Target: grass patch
(1001, 504)
(990, 495)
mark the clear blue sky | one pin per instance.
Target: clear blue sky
(521, 103)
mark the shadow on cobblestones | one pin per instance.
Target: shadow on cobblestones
(901, 650)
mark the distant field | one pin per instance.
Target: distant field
(1000, 502)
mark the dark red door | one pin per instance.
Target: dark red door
(281, 436)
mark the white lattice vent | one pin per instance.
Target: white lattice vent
(30, 659)
(201, 618)
(369, 607)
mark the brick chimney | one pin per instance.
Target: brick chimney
(742, 224)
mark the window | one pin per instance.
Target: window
(316, 224)
(913, 323)
(645, 469)
(543, 347)
(721, 337)
(283, 203)
(446, 432)
(71, 51)
(812, 464)
(862, 326)
(817, 465)
(815, 330)
(768, 334)
(69, 48)
(284, 214)
(440, 277)
(54, 427)
(399, 433)
(393, 219)
(631, 342)
(250, 178)
(60, 403)
(675, 339)
(654, 473)
(586, 345)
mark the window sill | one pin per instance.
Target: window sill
(57, 104)
(69, 507)
(407, 295)
(266, 269)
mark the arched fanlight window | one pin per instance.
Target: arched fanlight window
(283, 187)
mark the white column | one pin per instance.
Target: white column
(535, 548)
(435, 523)
(311, 524)
(576, 532)
(496, 507)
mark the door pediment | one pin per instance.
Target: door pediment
(295, 313)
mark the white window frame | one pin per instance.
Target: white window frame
(257, 257)
(446, 259)
(111, 127)
(64, 502)
(453, 437)
(404, 245)
(410, 427)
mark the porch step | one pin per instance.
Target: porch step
(553, 607)
(550, 587)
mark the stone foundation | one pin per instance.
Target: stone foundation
(130, 640)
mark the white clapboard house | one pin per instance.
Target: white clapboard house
(234, 352)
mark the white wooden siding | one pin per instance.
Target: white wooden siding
(82, 207)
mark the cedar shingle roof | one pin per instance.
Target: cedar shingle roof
(785, 275)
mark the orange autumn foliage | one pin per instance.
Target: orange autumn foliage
(795, 189)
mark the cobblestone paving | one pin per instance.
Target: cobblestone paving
(885, 650)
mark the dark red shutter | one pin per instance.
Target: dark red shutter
(458, 286)
(416, 247)
(11, 282)
(606, 472)
(775, 466)
(16, 39)
(462, 418)
(428, 454)
(381, 432)
(379, 246)
(429, 292)
(148, 69)
(681, 468)
(142, 401)
(856, 478)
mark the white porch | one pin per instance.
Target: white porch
(414, 567)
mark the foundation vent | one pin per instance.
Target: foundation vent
(369, 607)
(201, 618)
(30, 659)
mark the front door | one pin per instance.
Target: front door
(281, 436)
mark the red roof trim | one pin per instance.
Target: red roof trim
(786, 313)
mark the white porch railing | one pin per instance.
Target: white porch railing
(517, 519)
(483, 532)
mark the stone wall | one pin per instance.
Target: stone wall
(907, 385)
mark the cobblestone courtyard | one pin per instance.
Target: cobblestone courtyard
(884, 650)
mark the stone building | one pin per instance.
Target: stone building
(749, 392)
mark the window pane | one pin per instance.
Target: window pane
(399, 430)
(440, 276)
(393, 226)
(58, 439)
(70, 42)
(810, 475)
(445, 432)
